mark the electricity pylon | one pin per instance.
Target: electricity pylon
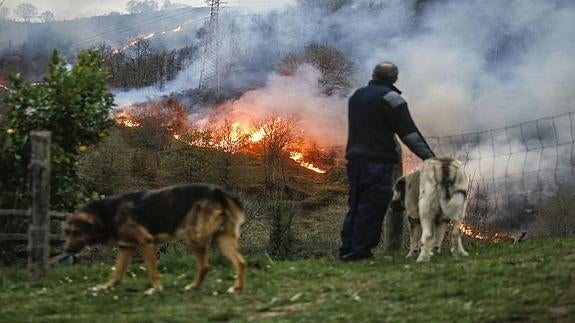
(210, 74)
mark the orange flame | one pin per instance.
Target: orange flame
(496, 237)
(150, 35)
(237, 137)
(257, 135)
(138, 39)
(468, 231)
(298, 156)
(126, 120)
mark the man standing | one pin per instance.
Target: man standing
(376, 113)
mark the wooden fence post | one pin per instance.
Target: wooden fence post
(393, 221)
(38, 236)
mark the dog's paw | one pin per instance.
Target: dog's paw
(154, 290)
(102, 287)
(234, 289)
(461, 253)
(456, 253)
(411, 253)
(192, 286)
(423, 258)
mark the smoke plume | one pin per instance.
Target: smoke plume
(464, 65)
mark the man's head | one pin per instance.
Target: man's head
(385, 71)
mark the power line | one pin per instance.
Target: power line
(126, 28)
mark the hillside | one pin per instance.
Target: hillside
(69, 36)
(531, 281)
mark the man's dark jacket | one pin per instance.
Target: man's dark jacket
(377, 112)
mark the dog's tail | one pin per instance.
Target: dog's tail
(233, 211)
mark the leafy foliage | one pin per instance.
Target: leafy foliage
(72, 103)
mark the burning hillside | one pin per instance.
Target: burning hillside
(272, 136)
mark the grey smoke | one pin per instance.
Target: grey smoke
(464, 65)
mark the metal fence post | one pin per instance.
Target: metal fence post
(38, 236)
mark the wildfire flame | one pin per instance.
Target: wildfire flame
(138, 39)
(237, 134)
(468, 231)
(149, 36)
(126, 120)
(257, 135)
(298, 156)
(495, 237)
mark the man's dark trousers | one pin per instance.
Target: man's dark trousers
(370, 191)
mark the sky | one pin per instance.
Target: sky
(70, 9)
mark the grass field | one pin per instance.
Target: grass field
(533, 281)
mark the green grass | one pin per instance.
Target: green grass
(532, 281)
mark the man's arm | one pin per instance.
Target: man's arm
(404, 126)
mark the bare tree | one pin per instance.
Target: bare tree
(336, 69)
(4, 11)
(231, 140)
(172, 5)
(142, 65)
(329, 6)
(279, 135)
(26, 11)
(143, 6)
(47, 16)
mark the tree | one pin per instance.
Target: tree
(47, 16)
(4, 13)
(172, 5)
(278, 135)
(143, 65)
(73, 104)
(329, 6)
(26, 11)
(335, 68)
(143, 6)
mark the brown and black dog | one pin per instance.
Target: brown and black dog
(143, 219)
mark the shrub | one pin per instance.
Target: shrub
(72, 103)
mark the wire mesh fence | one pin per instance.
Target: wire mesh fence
(513, 169)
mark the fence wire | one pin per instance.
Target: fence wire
(513, 169)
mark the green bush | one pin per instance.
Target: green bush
(74, 105)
